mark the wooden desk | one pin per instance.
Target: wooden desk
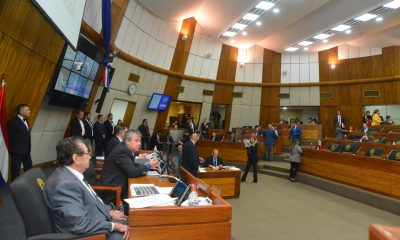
(228, 151)
(368, 173)
(226, 182)
(364, 145)
(173, 222)
(381, 232)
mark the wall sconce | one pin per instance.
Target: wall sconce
(333, 66)
(184, 37)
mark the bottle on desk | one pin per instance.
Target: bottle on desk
(193, 196)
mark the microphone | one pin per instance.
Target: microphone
(172, 179)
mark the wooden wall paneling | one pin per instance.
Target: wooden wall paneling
(118, 9)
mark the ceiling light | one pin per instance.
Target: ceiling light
(379, 19)
(341, 28)
(239, 26)
(322, 36)
(229, 34)
(244, 33)
(305, 49)
(250, 16)
(365, 17)
(325, 40)
(276, 10)
(258, 23)
(305, 43)
(393, 4)
(348, 31)
(291, 49)
(265, 5)
(233, 41)
(284, 108)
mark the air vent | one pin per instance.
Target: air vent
(371, 93)
(180, 89)
(283, 96)
(237, 94)
(327, 95)
(133, 78)
(208, 93)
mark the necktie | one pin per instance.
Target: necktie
(215, 161)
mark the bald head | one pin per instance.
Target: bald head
(215, 152)
(194, 137)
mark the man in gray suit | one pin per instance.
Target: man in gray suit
(73, 204)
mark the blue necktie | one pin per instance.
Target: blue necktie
(215, 162)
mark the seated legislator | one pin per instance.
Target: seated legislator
(119, 133)
(214, 137)
(74, 205)
(120, 165)
(213, 161)
(340, 132)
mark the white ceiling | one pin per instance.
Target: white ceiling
(297, 20)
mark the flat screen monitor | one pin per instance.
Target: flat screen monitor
(159, 102)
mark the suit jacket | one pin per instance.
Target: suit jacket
(270, 136)
(252, 152)
(76, 129)
(89, 134)
(98, 130)
(19, 137)
(190, 158)
(72, 207)
(335, 121)
(114, 141)
(144, 130)
(209, 161)
(118, 167)
(204, 129)
(340, 133)
(295, 134)
(109, 128)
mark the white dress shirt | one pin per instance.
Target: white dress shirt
(24, 121)
(82, 127)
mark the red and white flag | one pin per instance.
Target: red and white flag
(3, 134)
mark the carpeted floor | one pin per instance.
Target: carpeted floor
(276, 209)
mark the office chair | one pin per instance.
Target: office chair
(27, 194)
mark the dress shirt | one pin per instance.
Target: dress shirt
(339, 119)
(91, 126)
(82, 127)
(24, 121)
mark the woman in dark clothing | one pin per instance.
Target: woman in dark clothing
(252, 154)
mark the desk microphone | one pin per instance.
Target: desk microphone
(171, 179)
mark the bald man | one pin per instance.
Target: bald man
(213, 161)
(190, 157)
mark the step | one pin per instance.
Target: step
(274, 173)
(276, 168)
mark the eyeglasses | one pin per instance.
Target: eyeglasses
(85, 153)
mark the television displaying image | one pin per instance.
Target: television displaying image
(159, 102)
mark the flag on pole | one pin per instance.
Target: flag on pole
(106, 27)
(3, 135)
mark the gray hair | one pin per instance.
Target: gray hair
(131, 133)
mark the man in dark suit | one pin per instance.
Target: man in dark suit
(213, 161)
(109, 128)
(339, 120)
(77, 125)
(270, 137)
(89, 134)
(99, 135)
(204, 130)
(144, 130)
(20, 140)
(190, 126)
(190, 157)
(120, 165)
(74, 205)
(155, 140)
(118, 137)
(295, 132)
(214, 137)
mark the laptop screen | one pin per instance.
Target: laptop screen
(179, 189)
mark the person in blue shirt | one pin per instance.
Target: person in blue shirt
(295, 133)
(270, 137)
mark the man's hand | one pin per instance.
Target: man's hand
(153, 162)
(118, 227)
(118, 215)
(201, 159)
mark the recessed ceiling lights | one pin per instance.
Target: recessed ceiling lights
(325, 40)
(276, 10)
(322, 36)
(244, 33)
(258, 23)
(239, 26)
(379, 19)
(265, 5)
(229, 34)
(341, 28)
(365, 17)
(291, 49)
(250, 16)
(233, 41)
(305, 49)
(348, 31)
(393, 4)
(305, 43)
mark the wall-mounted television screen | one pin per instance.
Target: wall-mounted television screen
(159, 102)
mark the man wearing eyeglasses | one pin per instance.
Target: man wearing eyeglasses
(74, 205)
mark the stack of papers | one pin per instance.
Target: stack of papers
(152, 173)
(149, 201)
(233, 168)
(202, 169)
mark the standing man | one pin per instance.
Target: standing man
(204, 130)
(20, 141)
(339, 120)
(144, 130)
(89, 134)
(269, 141)
(190, 157)
(109, 128)
(295, 132)
(190, 126)
(77, 125)
(118, 137)
(99, 135)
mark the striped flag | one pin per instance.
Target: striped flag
(106, 75)
(3, 135)
(106, 28)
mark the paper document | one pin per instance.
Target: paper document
(152, 173)
(149, 201)
(164, 190)
(246, 142)
(202, 169)
(233, 168)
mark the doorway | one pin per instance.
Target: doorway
(123, 110)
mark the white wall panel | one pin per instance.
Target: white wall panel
(304, 58)
(122, 32)
(285, 73)
(235, 116)
(304, 95)
(137, 14)
(190, 65)
(376, 51)
(314, 72)
(294, 73)
(130, 10)
(314, 96)
(258, 70)
(365, 52)
(353, 52)
(213, 69)
(285, 58)
(248, 72)
(256, 96)
(294, 96)
(294, 58)
(197, 66)
(304, 73)
(259, 54)
(217, 50)
(205, 68)
(205, 112)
